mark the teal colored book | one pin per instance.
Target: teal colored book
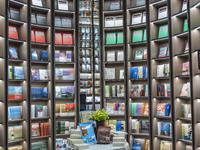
(137, 35)
(111, 38)
(145, 35)
(120, 38)
(134, 109)
(163, 31)
(185, 27)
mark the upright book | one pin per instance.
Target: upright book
(115, 4)
(14, 13)
(67, 39)
(137, 36)
(41, 19)
(37, 3)
(163, 31)
(58, 38)
(120, 38)
(162, 12)
(12, 32)
(136, 18)
(63, 5)
(40, 36)
(111, 38)
(66, 22)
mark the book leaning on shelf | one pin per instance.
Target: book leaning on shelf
(65, 109)
(37, 3)
(17, 147)
(139, 72)
(140, 54)
(13, 53)
(164, 128)
(115, 108)
(39, 92)
(64, 127)
(137, 36)
(163, 90)
(115, 4)
(63, 56)
(42, 145)
(140, 109)
(141, 144)
(186, 111)
(65, 91)
(186, 131)
(14, 133)
(39, 74)
(38, 111)
(14, 113)
(139, 90)
(163, 31)
(185, 91)
(15, 93)
(163, 109)
(114, 91)
(15, 72)
(139, 126)
(165, 145)
(163, 52)
(39, 129)
(163, 70)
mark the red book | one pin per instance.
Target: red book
(32, 36)
(67, 39)
(40, 36)
(58, 38)
(13, 32)
(41, 129)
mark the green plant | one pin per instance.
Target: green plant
(100, 115)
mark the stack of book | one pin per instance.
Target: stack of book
(119, 139)
(139, 109)
(38, 111)
(43, 55)
(14, 113)
(139, 72)
(163, 109)
(113, 21)
(116, 90)
(65, 91)
(64, 73)
(164, 128)
(139, 35)
(64, 127)
(39, 92)
(114, 38)
(15, 72)
(139, 90)
(165, 145)
(61, 56)
(17, 147)
(163, 90)
(140, 143)
(14, 133)
(115, 125)
(42, 145)
(140, 126)
(141, 54)
(65, 22)
(65, 109)
(185, 91)
(39, 74)
(64, 38)
(15, 93)
(115, 108)
(163, 70)
(40, 129)
(37, 18)
(186, 131)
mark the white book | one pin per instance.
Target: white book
(32, 111)
(140, 2)
(184, 6)
(159, 128)
(63, 4)
(140, 72)
(109, 73)
(160, 70)
(188, 85)
(184, 91)
(111, 56)
(110, 21)
(120, 56)
(162, 12)
(144, 17)
(165, 88)
(37, 3)
(43, 74)
(121, 74)
(136, 18)
(118, 21)
(114, 4)
(40, 113)
(134, 125)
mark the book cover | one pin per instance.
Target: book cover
(34, 55)
(165, 128)
(32, 35)
(66, 22)
(62, 57)
(14, 13)
(40, 36)
(41, 19)
(14, 112)
(120, 38)
(140, 2)
(107, 90)
(139, 54)
(162, 12)
(13, 53)
(58, 21)
(134, 72)
(37, 3)
(160, 90)
(160, 109)
(111, 38)
(68, 56)
(185, 26)
(43, 74)
(137, 35)
(63, 5)
(163, 52)
(58, 38)
(118, 21)
(115, 4)
(111, 56)
(33, 18)
(145, 35)
(136, 18)
(18, 72)
(12, 32)
(110, 21)
(35, 129)
(120, 55)
(144, 17)
(184, 6)
(163, 31)
(43, 55)
(135, 91)
(67, 39)
(68, 74)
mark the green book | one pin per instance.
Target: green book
(137, 35)
(163, 31)
(185, 27)
(120, 38)
(134, 108)
(107, 91)
(145, 35)
(111, 38)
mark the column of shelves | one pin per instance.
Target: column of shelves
(138, 74)
(40, 74)
(195, 47)
(113, 61)
(160, 72)
(65, 69)
(17, 74)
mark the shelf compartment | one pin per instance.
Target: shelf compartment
(183, 76)
(139, 79)
(42, 9)
(141, 97)
(16, 142)
(114, 80)
(182, 14)
(39, 119)
(183, 97)
(40, 44)
(161, 58)
(114, 62)
(40, 62)
(159, 3)
(64, 12)
(138, 61)
(161, 40)
(16, 121)
(64, 81)
(113, 45)
(62, 135)
(16, 3)
(16, 22)
(16, 60)
(138, 43)
(182, 35)
(138, 8)
(162, 98)
(113, 12)
(164, 137)
(16, 80)
(15, 41)
(113, 28)
(139, 116)
(161, 78)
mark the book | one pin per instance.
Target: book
(37, 3)
(42, 145)
(65, 91)
(185, 91)
(145, 35)
(63, 5)
(40, 36)
(35, 74)
(163, 52)
(163, 31)
(120, 38)
(185, 26)
(33, 18)
(14, 133)
(120, 55)
(184, 6)
(186, 68)
(115, 4)
(109, 73)
(144, 17)
(41, 19)
(165, 145)
(111, 38)
(68, 56)
(43, 74)
(110, 21)
(10, 72)
(43, 55)
(18, 72)
(14, 13)
(34, 55)
(140, 2)
(58, 21)
(14, 112)
(66, 22)
(58, 38)
(162, 12)
(32, 35)
(103, 135)
(137, 36)
(118, 21)
(15, 92)
(35, 129)
(110, 56)
(13, 53)
(67, 39)
(39, 92)
(186, 131)
(12, 32)
(136, 18)
(186, 111)
(186, 48)
(139, 54)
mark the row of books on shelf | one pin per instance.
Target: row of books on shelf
(140, 54)
(141, 143)
(17, 147)
(65, 91)
(40, 74)
(86, 91)
(163, 90)
(138, 18)
(115, 108)
(14, 133)
(64, 73)
(65, 109)
(43, 55)
(38, 18)
(41, 145)
(85, 53)
(114, 21)
(111, 73)
(139, 72)
(86, 83)
(64, 127)
(86, 67)
(85, 36)
(90, 99)
(15, 72)
(63, 38)
(39, 129)
(114, 90)
(88, 44)
(61, 56)
(85, 29)
(39, 111)
(114, 38)
(138, 90)
(140, 109)
(14, 112)
(164, 128)
(115, 56)
(139, 126)
(62, 4)
(65, 22)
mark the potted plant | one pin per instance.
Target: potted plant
(100, 116)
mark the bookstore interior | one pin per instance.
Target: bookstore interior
(100, 74)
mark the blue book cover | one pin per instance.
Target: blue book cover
(13, 53)
(134, 72)
(44, 56)
(34, 55)
(18, 72)
(136, 145)
(35, 74)
(167, 109)
(165, 128)
(145, 72)
(39, 92)
(14, 112)
(160, 90)
(118, 126)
